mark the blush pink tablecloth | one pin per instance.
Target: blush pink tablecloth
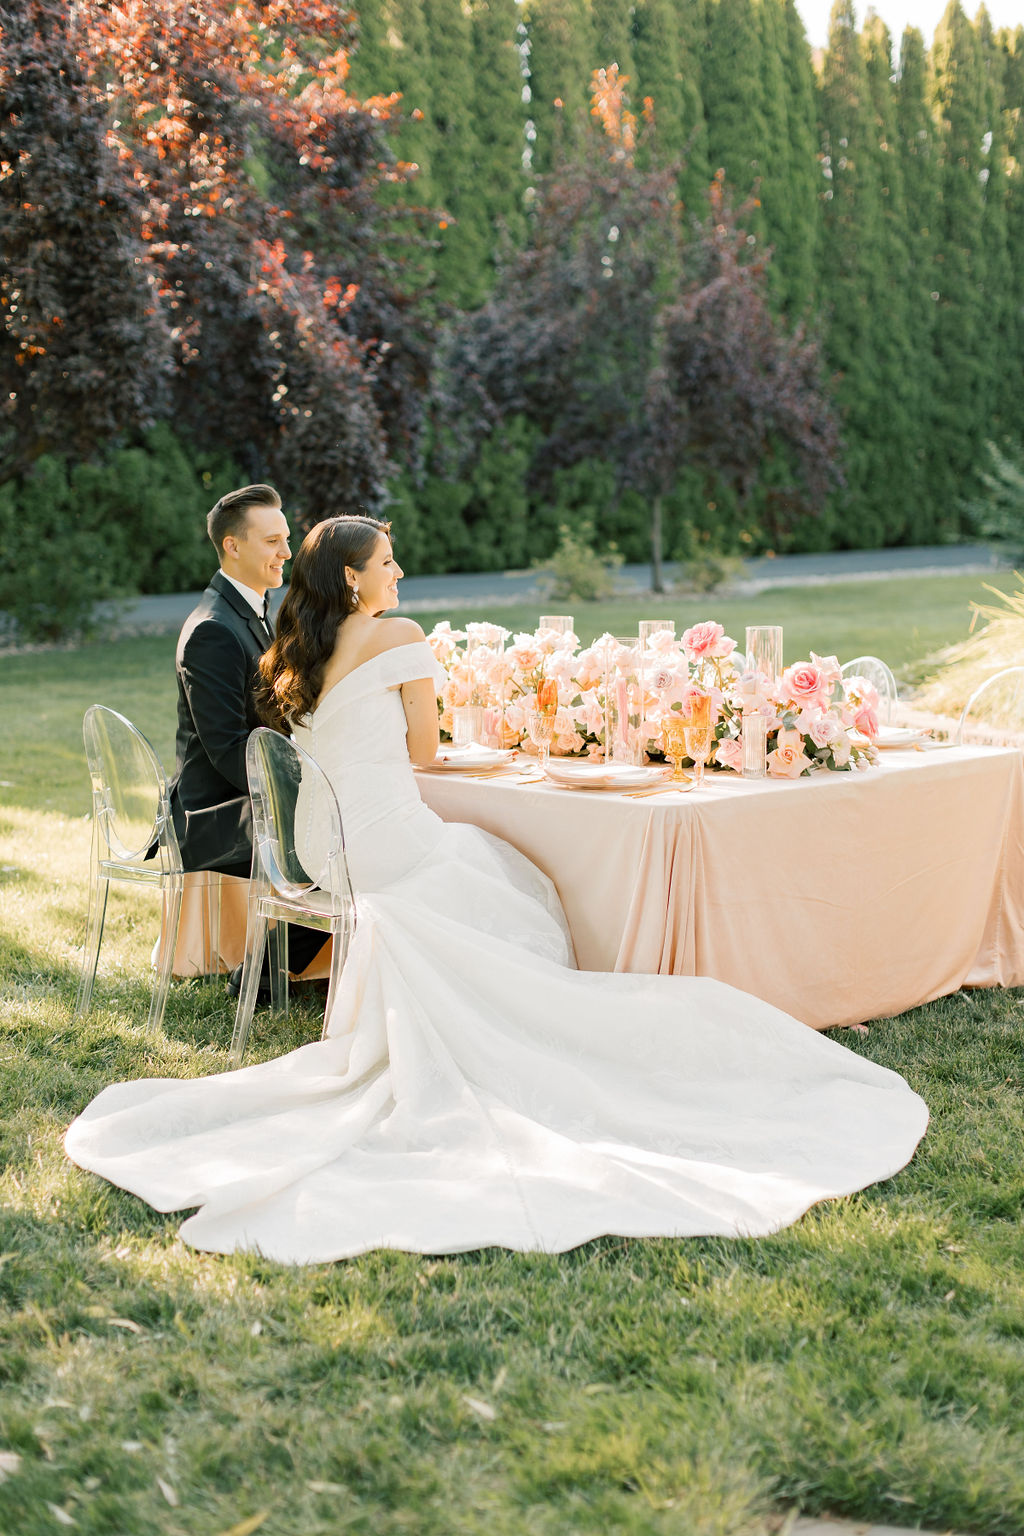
(840, 898)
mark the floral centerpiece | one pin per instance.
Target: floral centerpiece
(816, 719)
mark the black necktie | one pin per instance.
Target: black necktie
(266, 617)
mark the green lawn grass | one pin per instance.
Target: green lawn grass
(868, 1361)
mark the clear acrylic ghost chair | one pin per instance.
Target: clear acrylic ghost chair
(131, 814)
(998, 704)
(875, 671)
(299, 871)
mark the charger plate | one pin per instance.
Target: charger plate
(577, 775)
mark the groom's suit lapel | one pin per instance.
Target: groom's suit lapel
(260, 634)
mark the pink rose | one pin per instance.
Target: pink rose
(866, 721)
(789, 760)
(804, 684)
(707, 639)
(829, 668)
(821, 728)
(729, 752)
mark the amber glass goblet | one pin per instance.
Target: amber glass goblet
(698, 735)
(673, 740)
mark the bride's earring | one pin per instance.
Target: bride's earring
(355, 597)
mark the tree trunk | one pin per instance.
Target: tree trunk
(657, 575)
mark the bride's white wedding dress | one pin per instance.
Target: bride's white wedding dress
(475, 1089)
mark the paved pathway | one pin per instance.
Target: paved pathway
(499, 588)
(805, 1527)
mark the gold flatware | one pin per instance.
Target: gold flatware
(662, 789)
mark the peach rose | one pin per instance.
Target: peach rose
(589, 669)
(526, 655)
(789, 760)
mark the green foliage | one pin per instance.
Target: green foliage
(75, 534)
(998, 512)
(577, 569)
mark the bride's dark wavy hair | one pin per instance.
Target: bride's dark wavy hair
(317, 603)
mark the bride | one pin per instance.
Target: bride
(474, 1088)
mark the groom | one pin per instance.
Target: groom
(216, 662)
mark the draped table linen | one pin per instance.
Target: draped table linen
(839, 898)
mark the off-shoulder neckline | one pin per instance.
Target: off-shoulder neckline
(389, 651)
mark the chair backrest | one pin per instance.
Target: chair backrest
(298, 842)
(129, 790)
(874, 670)
(999, 702)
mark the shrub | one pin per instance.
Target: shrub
(75, 535)
(577, 569)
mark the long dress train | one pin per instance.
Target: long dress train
(475, 1088)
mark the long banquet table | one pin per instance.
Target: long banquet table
(840, 898)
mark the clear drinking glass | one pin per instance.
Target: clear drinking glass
(764, 650)
(467, 725)
(755, 745)
(540, 727)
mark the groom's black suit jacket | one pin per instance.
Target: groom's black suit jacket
(216, 660)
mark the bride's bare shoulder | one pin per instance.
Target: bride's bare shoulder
(389, 633)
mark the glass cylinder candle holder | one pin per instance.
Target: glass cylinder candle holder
(755, 746)
(649, 627)
(560, 622)
(764, 650)
(624, 703)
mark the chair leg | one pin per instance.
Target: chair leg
(98, 893)
(169, 918)
(340, 940)
(278, 938)
(211, 926)
(255, 944)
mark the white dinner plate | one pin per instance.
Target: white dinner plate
(467, 759)
(899, 736)
(583, 775)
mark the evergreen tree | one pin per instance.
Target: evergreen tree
(797, 220)
(997, 263)
(561, 50)
(500, 118)
(1013, 115)
(894, 457)
(962, 333)
(613, 37)
(733, 97)
(462, 261)
(917, 147)
(855, 281)
(667, 46)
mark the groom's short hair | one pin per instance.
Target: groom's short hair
(230, 514)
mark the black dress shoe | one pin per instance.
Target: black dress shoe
(233, 986)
